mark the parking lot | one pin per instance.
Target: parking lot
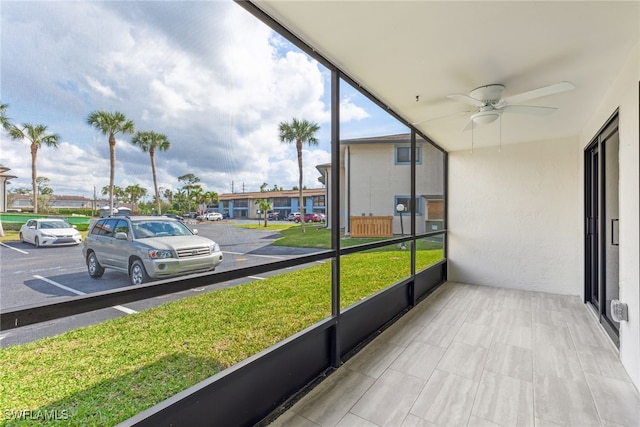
(30, 275)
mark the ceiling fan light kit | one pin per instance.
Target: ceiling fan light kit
(485, 117)
(490, 105)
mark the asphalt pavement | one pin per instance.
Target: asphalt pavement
(37, 275)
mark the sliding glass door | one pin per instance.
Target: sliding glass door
(602, 225)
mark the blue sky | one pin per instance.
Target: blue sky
(207, 74)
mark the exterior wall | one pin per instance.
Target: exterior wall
(623, 94)
(3, 194)
(515, 217)
(243, 205)
(375, 179)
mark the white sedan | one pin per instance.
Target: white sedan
(49, 232)
(210, 216)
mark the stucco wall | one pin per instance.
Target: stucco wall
(515, 217)
(375, 179)
(623, 94)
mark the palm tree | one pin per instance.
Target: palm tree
(111, 124)
(197, 194)
(36, 135)
(264, 206)
(210, 198)
(4, 120)
(149, 142)
(135, 193)
(299, 132)
(190, 183)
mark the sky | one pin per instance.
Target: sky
(207, 74)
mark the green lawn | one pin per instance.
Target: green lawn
(104, 374)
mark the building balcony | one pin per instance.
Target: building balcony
(479, 356)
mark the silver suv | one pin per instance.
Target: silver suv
(147, 248)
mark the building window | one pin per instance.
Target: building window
(403, 155)
(408, 206)
(281, 202)
(318, 201)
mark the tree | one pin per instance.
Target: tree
(37, 135)
(190, 182)
(168, 194)
(118, 193)
(263, 187)
(111, 124)
(21, 190)
(299, 132)
(197, 194)
(149, 142)
(264, 206)
(4, 120)
(44, 193)
(135, 193)
(210, 198)
(43, 187)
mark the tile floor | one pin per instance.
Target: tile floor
(479, 356)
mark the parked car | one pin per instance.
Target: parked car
(273, 216)
(210, 216)
(174, 216)
(312, 217)
(148, 248)
(49, 232)
(294, 216)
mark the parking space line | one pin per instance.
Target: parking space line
(66, 288)
(15, 249)
(257, 277)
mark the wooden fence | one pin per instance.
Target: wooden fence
(371, 226)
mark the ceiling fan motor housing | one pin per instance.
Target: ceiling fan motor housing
(488, 94)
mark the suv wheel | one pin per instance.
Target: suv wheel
(137, 273)
(93, 266)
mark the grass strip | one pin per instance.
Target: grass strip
(103, 374)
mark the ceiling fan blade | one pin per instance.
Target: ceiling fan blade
(468, 125)
(529, 109)
(538, 93)
(468, 100)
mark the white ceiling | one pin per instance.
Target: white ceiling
(398, 50)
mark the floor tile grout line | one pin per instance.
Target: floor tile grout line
(390, 368)
(584, 373)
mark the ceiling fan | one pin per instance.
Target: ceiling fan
(490, 105)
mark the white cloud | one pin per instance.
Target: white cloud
(349, 111)
(100, 88)
(212, 78)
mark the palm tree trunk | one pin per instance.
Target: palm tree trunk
(300, 198)
(112, 171)
(155, 181)
(34, 176)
